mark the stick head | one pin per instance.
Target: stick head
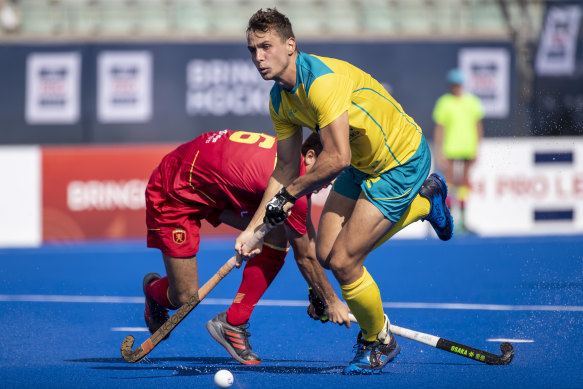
(126, 350)
(507, 353)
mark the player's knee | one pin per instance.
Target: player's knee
(324, 262)
(340, 270)
(180, 297)
(323, 257)
(343, 266)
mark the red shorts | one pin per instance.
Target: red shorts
(173, 226)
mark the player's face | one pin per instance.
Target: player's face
(270, 55)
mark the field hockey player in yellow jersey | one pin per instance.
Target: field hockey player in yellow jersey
(375, 151)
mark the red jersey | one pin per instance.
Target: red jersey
(225, 170)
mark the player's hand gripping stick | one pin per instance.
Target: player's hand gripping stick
(319, 309)
(274, 212)
(135, 355)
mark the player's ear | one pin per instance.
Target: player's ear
(310, 158)
(291, 46)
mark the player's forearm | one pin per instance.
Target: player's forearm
(335, 156)
(325, 170)
(315, 276)
(283, 174)
(273, 186)
(304, 248)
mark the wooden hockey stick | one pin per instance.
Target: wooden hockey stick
(454, 347)
(135, 355)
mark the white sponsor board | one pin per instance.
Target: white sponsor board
(124, 86)
(20, 197)
(52, 88)
(509, 187)
(558, 44)
(487, 74)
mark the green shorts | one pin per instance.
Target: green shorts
(393, 191)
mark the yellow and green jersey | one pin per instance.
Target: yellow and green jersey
(382, 135)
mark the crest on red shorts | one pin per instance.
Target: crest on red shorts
(179, 236)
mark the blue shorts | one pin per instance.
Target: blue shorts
(392, 191)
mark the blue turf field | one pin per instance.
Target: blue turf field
(65, 310)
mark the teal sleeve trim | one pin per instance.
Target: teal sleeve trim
(275, 96)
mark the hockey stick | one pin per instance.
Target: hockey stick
(454, 347)
(135, 355)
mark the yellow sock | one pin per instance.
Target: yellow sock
(364, 300)
(418, 209)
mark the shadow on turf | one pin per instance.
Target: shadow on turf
(209, 365)
(194, 366)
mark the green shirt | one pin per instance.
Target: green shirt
(459, 117)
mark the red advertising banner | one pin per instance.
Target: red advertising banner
(97, 192)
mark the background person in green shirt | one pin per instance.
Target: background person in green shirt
(458, 132)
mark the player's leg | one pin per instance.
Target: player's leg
(258, 272)
(173, 228)
(345, 258)
(171, 291)
(178, 241)
(430, 203)
(182, 275)
(463, 191)
(339, 222)
(418, 210)
(355, 240)
(449, 175)
(385, 200)
(230, 328)
(449, 171)
(376, 346)
(423, 208)
(336, 211)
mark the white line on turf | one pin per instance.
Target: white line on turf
(498, 340)
(486, 307)
(129, 329)
(286, 303)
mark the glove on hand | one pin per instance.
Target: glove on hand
(319, 307)
(274, 213)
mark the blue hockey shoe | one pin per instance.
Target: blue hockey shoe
(434, 189)
(371, 357)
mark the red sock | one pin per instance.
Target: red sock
(258, 274)
(158, 291)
